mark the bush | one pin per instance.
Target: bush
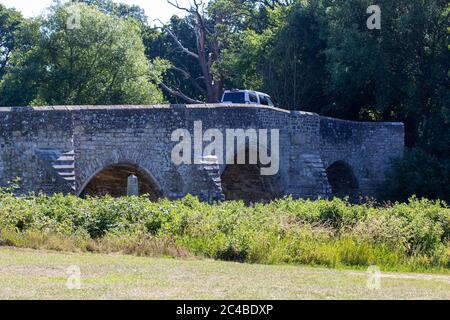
(419, 173)
(407, 236)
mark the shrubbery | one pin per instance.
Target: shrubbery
(411, 236)
(421, 173)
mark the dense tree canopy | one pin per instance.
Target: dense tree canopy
(101, 61)
(313, 55)
(10, 21)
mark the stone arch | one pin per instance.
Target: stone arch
(112, 180)
(245, 182)
(343, 180)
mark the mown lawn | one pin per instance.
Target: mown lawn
(38, 274)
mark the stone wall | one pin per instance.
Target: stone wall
(62, 149)
(28, 139)
(367, 147)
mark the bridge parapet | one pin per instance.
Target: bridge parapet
(100, 137)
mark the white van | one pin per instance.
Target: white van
(247, 97)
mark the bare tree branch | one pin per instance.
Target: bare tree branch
(176, 5)
(179, 94)
(177, 41)
(188, 76)
(203, 35)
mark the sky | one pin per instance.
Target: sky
(155, 9)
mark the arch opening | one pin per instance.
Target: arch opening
(343, 181)
(245, 182)
(113, 181)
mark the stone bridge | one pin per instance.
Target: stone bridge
(92, 150)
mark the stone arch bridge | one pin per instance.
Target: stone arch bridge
(92, 150)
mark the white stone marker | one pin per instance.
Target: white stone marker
(133, 186)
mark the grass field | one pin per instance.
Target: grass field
(31, 274)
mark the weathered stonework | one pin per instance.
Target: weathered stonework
(63, 149)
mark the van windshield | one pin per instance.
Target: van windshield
(234, 97)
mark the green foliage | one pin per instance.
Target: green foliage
(101, 62)
(409, 236)
(120, 10)
(420, 173)
(10, 21)
(297, 77)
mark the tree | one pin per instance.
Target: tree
(398, 73)
(272, 4)
(120, 10)
(291, 59)
(319, 55)
(205, 54)
(214, 27)
(184, 80)
(99, 61)
(10, 21)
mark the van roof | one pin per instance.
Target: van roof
(238, 90)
